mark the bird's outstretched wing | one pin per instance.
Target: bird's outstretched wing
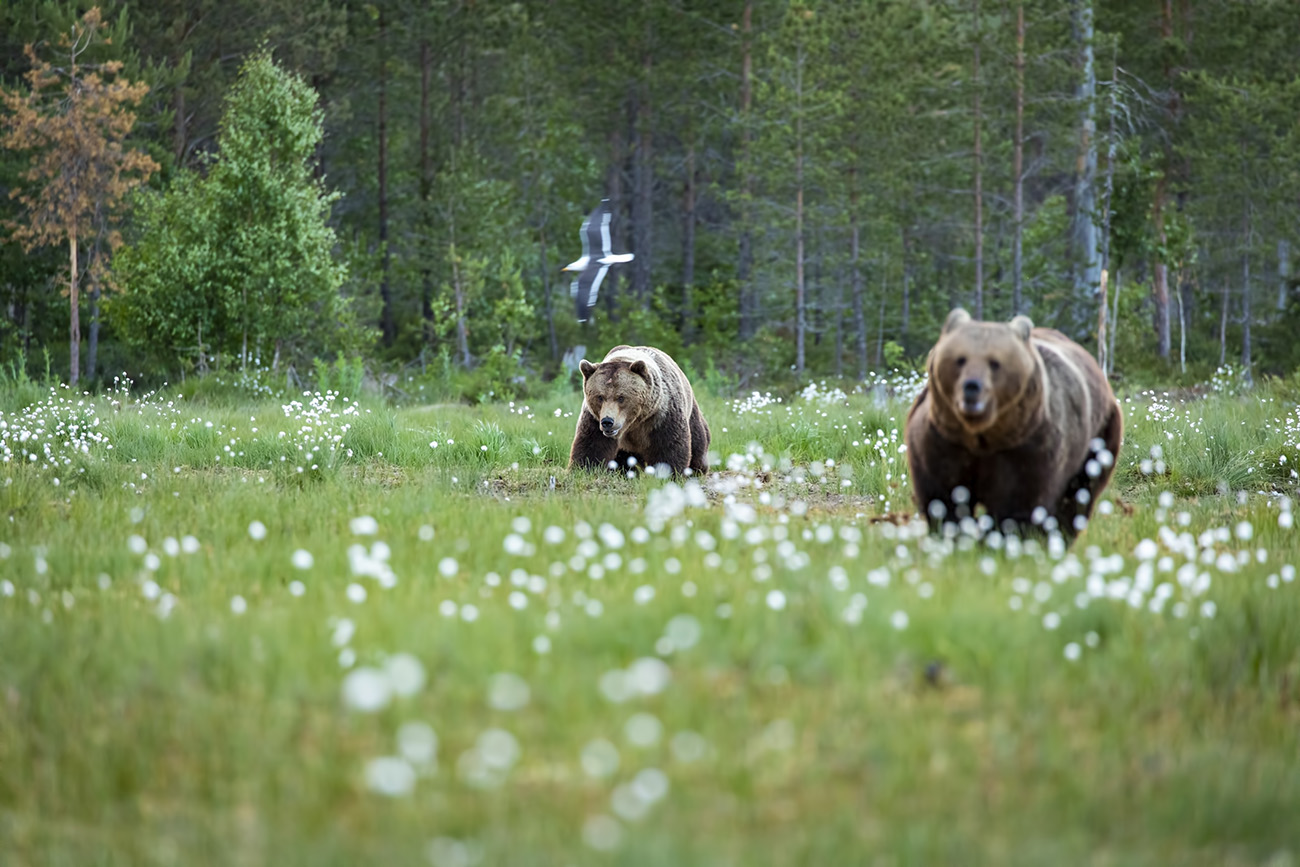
(586, 288)
(592, 227)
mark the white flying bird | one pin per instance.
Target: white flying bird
(591, 272)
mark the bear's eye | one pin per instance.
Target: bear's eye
(961, 361)
(995, 365)
(620, 399)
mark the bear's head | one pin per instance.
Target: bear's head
(617, 393)
(981, 372)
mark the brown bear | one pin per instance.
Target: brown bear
(1017, 419)
(638, 404)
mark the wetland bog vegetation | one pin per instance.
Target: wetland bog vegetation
(311, 630)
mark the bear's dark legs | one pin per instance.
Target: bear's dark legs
(699, 462)
(591, 448)
(1092, 482)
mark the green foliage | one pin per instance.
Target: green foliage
(241, 258)
(343, 376)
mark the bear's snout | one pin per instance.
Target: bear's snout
(972, 400)
(607, 426)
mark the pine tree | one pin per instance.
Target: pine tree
(75, 120)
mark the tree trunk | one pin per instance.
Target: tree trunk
(74, 323)
(839, 329)
(1160, 276)
(1283, 273)
(855, 266)
(1101, 322)
(426, 188)
(643, 203)
(748, 305)
(1085, 172)
(1114, 326)
(388, 323)
(1017, 169)
(92, 343)
(801, 322)
(1112, 147)
(979, 178)
(880, 321)
(906, 322)
(548, 298)
(458, 290)
(1245, 297)
(688, 247)
(614, 186)
(1223, 328)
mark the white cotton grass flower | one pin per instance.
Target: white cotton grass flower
(450, 852)
(643, 730)
(392, 776)
(189, 544)
(238, 605)
(776, 600)
(297, 588)
(171, 547)
(418, 743)
(599, 759)
(344, 629)
(136, 543)
(899, 620)
(683, 632)
(257, 531)
(302, 559)
(507, 692)
(448, 567)
(405, 674)
(363, 525)
(367, 689)
(356, 593)
(688, 747)
(602, 833)
(648, 675)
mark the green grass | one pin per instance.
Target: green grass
(159, 706)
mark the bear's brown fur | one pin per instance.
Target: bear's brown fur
(638, 404)
(1019, 417)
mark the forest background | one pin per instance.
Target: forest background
(307, 190)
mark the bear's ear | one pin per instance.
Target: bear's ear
(639, 368)
(956, 319)
(587, 368)
(1022, 326)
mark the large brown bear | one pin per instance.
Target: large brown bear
(637, 403)
(1015, 418)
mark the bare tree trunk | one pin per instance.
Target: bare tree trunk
(546, 293)
(1223, 328)
(1112, 146)
(839, 329)
(1085, 173)
(688, 246)
(1245, 296)
(643, 203)
(387, 319)
(880, 320)
(1101, 322)
(801, 323)
(979, 177)
(906, 322)
(74, 323)
(458, 289)
(1017, 169)
(1160, 281)
(426, 187)
(855, 266)
(614, 186)
(748, 324)
(1114, 327)
(1283, 273)
(92, 343)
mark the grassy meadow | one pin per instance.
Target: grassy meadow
(257, 631)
